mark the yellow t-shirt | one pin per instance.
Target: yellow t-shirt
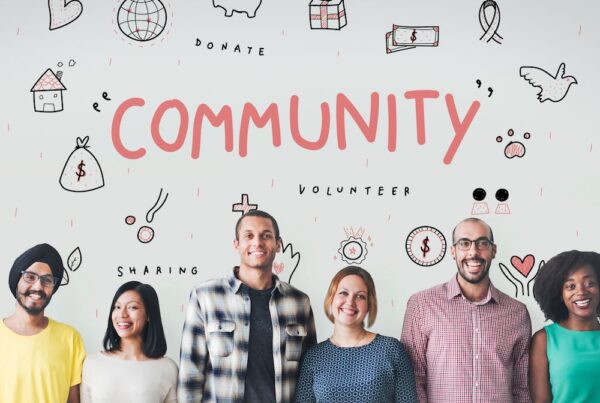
(40, 368)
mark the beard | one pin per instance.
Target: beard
(35, 310)
(477, 278)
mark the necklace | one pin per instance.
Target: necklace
(361, 338)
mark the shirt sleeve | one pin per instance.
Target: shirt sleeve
(415, 342)
(84, 390)
(304, 388)
(405, 390)
(520, 383)
(171, 379)
(78, 356)
(193, 353)
(311, 332)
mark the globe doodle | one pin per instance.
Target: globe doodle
(142, 20)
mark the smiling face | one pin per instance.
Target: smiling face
(580, 293)
(473, 264)
(129, 315)
(350, 303)
(34, 297)
(256, 243)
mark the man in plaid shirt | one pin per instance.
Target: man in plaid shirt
(244, 333)
(468, 341)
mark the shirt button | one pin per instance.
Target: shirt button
(246, 324)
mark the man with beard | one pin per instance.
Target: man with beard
(469, 342)
(244, 334)
(40, 358)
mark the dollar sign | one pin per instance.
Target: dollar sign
(413, 38)
(80, 172)
(425, 248)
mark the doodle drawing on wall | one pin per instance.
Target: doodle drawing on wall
(243, 207)
(490, 28)
(519, 277)
(327, 14)
(514, 148)
(426, 246)
(48, 92)
(73, 263)
(553, 88)
(63, 12)
(481, 207)
(82, 172)
(145, 233)
(353, 249)
(287, 258)
(404, 37)
(142, 20)
(249, 7)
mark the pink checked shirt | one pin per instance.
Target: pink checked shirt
(464, 352)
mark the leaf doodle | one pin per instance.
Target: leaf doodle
(74, 260)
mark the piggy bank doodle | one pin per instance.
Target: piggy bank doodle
(240, 6)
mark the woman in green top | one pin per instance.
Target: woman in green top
(564, 360)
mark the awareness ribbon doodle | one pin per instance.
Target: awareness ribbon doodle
(491, 29)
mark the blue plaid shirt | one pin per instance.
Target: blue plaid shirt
(214, 344)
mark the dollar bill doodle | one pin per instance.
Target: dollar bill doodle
(404, 37)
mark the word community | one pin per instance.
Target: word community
(344, 108)
(353, 190)
(156, 270)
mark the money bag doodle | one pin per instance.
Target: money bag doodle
(82, 172)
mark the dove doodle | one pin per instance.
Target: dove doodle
(553, 88)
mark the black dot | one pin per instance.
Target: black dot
(479, 194)
(502, 195)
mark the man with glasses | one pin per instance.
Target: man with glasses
(40, 358)
(468, 341)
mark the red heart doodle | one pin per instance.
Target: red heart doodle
(525, 265)
(277, 267)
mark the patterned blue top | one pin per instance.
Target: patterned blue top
(380, 371)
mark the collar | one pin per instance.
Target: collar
(453, 290)
(235, 283)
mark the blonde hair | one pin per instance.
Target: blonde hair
(371, 294)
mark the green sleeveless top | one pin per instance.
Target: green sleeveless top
(574, 364)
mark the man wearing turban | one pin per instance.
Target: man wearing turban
(40, 358)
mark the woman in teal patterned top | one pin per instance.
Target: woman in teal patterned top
(564, 362)
(355, 365)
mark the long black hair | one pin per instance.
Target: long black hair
(154, 344)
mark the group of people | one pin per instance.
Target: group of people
(250, 337)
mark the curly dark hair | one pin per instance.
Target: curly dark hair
(547, 289)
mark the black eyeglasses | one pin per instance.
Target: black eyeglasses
(46, 281)
(480, 244)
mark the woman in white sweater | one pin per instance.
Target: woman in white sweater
(132, 368)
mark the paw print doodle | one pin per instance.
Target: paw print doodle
(514, 148)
